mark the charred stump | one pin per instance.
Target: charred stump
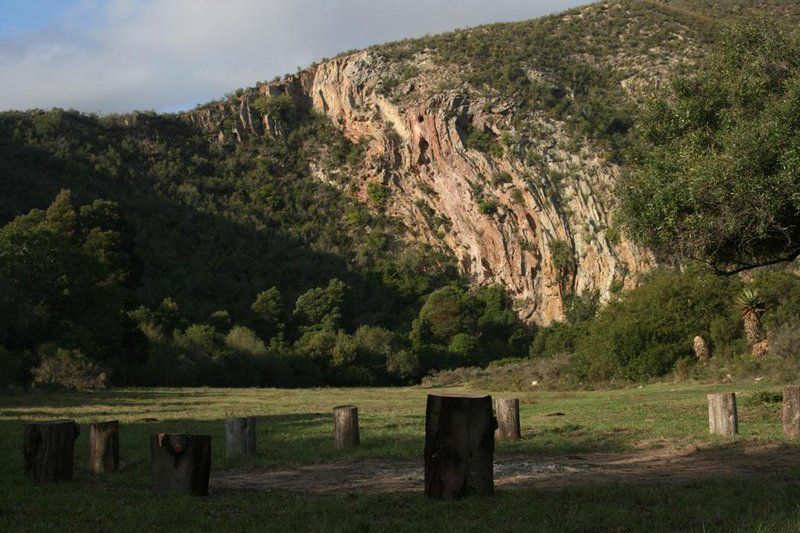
(459, 446)
(180, 463)
(48, 450)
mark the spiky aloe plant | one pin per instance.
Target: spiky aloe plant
(751, 305)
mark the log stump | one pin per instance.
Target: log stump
(791, 411)
(507, 419)
(345, 427)
(722, 416)
(48, 450)
(459, 446)
(240, 437)
(180, 463)
(104, 447)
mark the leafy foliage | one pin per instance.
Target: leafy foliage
(716, 165)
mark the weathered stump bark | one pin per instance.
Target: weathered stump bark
(104, 447)
(240, 437)
(180, 463)
(459, 446)
(722, 416)
(791, 411)
(345, 427)
(507, 419)
(48, 450)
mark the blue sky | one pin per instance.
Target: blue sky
(28, 16)
(120, 55)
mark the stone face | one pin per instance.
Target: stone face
(422, 141)
(415, 146)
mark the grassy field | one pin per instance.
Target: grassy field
(295, 429)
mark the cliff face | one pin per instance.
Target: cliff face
(526, 205)
(535, 225)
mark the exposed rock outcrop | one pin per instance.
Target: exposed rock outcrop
(532, 215)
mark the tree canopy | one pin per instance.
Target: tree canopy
(716, 165)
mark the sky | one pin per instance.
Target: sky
(108, 56)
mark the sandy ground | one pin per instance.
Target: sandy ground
(662, 465)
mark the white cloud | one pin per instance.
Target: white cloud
(170, 54)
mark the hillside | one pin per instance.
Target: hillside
(477, 157)
(501, 144)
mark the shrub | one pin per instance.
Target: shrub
(404, 365)
(765, 397)
(377, 193)
(69, 369)
(487, 207)
(648, 329)
(501, 178)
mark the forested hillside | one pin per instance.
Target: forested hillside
(416, 206)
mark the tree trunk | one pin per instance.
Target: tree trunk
(345, 427)
(459, 446)
(240, 437)
(104, 447)
(48, 450)
(791, 411)
(753, 331)
(507, 419)
(722, 416)
(180, 463)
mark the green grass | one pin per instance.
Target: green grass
(295, 429)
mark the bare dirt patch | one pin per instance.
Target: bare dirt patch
(664, 465)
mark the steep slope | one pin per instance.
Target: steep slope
(497, 145)
(499, 171)
(502, 143)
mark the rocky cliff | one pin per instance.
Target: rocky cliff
(528, 206)
(536, 226)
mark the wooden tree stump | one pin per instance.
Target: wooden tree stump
(791, 411)
(104, 447)
(48, 450)
(345, 427)
(180, 463)
(507, 419)
(240, 437)
(459, 446)
(722, 416)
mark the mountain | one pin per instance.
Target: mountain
(493, 149)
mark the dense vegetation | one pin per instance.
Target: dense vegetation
(717, 163)
(134, 249)
(193, 263)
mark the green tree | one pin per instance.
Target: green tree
(321, 307)
(716, 168)
(269, 311)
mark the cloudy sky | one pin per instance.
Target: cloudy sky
(119, 55)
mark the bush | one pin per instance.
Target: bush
(69, 369)
(643, 334)
(487, 207)
(508, 374)
(377, 193)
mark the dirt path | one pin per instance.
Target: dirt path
(664, 465)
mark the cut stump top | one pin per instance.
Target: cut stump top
(459, 395)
